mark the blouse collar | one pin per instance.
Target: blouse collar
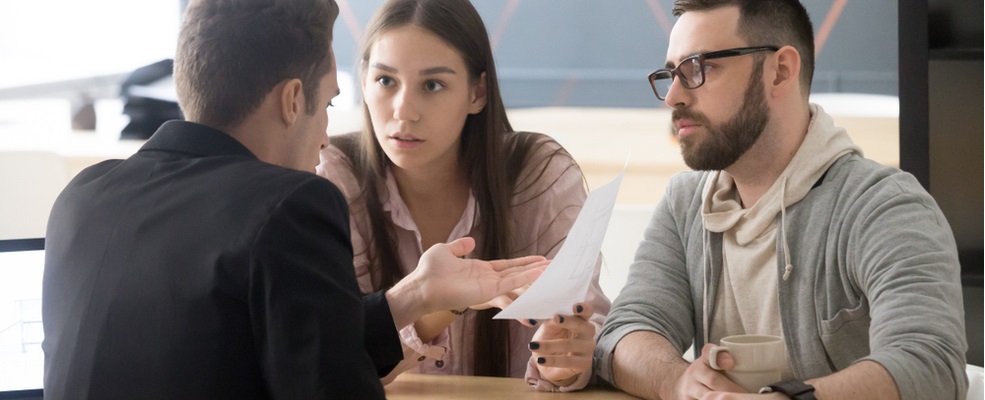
(400, 214)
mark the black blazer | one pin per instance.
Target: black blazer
(192, 270)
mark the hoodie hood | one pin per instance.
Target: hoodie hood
(722, 211)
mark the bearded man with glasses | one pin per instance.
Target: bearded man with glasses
(783, 229)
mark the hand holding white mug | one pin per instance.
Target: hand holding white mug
(759, 359)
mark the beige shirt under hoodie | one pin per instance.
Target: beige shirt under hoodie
(747, 300)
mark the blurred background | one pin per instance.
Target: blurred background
(574, 69)
(549, 52)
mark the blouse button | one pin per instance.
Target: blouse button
(439, 363)
(421, 358)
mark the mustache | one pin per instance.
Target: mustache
(686, 113)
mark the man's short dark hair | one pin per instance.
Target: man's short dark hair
(231, 54)
(768, 22)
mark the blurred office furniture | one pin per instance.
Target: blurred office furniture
(150, 99)
(30, 181)
(941, 128)
(84, 116)
(976, 386)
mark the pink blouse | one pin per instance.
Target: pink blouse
(542, 215)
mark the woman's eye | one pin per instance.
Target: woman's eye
(433, 86)
(385, 81)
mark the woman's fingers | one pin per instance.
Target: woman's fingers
(574, 354)
(563, 347)
(583, 310)
(577, 363)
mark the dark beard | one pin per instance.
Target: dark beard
(724, 145)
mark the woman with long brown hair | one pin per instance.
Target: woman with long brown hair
(438, 160)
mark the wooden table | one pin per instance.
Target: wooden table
(419, 386)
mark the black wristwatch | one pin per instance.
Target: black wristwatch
(793, 389)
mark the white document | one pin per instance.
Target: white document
(566, 280)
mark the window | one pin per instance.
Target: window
(60, 40)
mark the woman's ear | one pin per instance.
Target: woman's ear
(478, 95)
(786, 69)
(291, 101)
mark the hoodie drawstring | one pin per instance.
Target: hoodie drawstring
(787, 268)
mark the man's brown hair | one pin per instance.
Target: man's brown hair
(231, 54)
(768, 23)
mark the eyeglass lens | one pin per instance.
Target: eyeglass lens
(689, 71)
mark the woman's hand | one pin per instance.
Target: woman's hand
(563, 346)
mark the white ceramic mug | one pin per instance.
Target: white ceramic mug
(758, 359)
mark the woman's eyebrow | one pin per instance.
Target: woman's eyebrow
(383, 67)
(437, 70)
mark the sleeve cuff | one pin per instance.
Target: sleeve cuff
(436, 350)
(606, 347)
(380, 335)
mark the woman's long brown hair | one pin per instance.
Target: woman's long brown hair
(486, 137)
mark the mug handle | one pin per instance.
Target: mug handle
(713, 356)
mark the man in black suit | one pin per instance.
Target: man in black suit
(212, 263)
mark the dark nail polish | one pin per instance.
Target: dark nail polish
(541, 360)
(560, 319)
(534, 345)
(532, 321)
(579, 309)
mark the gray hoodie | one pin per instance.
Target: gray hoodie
(747, 301)
(875, 274)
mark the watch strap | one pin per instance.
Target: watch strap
(793, 389)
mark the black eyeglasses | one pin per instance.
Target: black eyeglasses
(691, 70)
